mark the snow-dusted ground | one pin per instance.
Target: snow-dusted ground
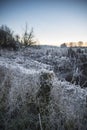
(25, 74)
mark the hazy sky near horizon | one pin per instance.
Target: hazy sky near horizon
(54, 21)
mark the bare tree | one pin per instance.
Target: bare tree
(80, 43)
(71, 44)
(63, 45)
(28, 38)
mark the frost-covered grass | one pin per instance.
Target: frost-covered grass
(43, 87)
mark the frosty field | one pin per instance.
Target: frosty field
(43, 88)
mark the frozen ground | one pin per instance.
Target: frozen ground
(43, 81)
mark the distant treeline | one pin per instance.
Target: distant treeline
(74, 44)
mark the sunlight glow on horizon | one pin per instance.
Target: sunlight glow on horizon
(54, 22)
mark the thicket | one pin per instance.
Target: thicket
(7, 39)
(10, 41)
(30, 115)
(78, 60)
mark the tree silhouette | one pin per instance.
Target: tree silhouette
(6, 36)
(64, 45)
(28, 38)
(80, 43)
(7, 39)
(71, 44)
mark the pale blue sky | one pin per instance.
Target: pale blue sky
(54, 21)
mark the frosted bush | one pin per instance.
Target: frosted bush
(67, 105)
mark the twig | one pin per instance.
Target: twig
(40, 121)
